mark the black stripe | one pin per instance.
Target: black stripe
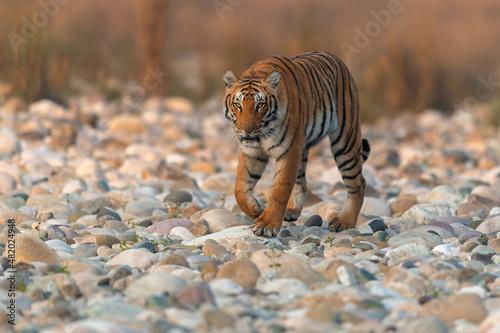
(253, 175)
(352, 177)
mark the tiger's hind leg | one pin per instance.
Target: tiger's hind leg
(250, 169)
(298, 197)
(350, 164)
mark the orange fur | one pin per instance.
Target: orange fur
(282, 107)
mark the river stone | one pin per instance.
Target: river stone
(267, 259)
(54, 232)
(242, 271)
(135, 258)
(443, 225)
(408, 250)
(59, 246)
(157, 282)
(219, 219)
(108, 212)
(31, 249)
(444, 193)
(86, 250)
(421, 215)
(489, 225)
(136, 207)
(165, 227)
(415, 237)
(465, 236)
(108, 240)
(7, 183)
(178, 197)
(376, 207)
(314, 221)
(194, 295)
(462, 306)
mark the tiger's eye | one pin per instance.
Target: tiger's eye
(237, 106)
(260, 106)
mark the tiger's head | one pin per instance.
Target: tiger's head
(251, 103)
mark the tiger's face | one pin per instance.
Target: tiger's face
(251, 103)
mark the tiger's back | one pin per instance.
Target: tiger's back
(281, 108)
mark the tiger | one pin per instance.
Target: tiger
(282, 107)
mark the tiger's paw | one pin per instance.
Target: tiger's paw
(338, 224)
(291, 215)
(266, 227)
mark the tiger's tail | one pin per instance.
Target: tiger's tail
(365, 149)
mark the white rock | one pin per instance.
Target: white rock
(445, 249)
(230, 235)
(89, 169)
(182, 232)
(225, 287)
(219, 219)
(74, 186)
(59, 246)
(135, 258)
(478, 290)
(346, 276)
(284, 287)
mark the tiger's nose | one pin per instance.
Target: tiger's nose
(248, 130)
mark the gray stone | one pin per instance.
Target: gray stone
(465, 236)
(135, 207)
(145, 245)
(415, 237)
(108, 212)
(178, 197)
(153, 283)
(92, 206)
(485, 250)
(86, 250)
(59, 246)
(314, 221)
(408, 250)
(54, 232)
(377, 225)
(111, 309)
(313, 231)
(421, 215)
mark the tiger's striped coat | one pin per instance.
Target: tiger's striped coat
(281, 107)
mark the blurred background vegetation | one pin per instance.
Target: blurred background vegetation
(427, 54)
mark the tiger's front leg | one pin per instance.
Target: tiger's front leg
(299, 192)
(250, 169)
(268, 224)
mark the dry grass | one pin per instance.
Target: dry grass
(430, 55)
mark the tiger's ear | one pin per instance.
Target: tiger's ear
(274, 79)
(230, 78)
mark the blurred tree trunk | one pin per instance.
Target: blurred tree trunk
(152, 25)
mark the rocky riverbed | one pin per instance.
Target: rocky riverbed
(125, 221)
